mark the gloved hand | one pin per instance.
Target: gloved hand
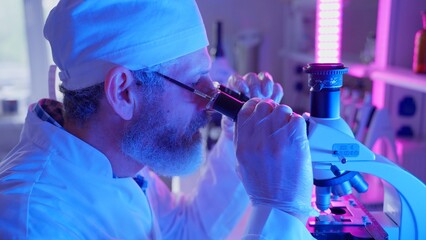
(259, 85)
(273, 155)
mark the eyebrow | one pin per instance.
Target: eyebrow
(184, 86)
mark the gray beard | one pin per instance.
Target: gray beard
(151, 141)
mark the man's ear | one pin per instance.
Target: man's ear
(119, 93)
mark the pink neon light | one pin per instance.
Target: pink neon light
(328, 22)
(329, 46)
(328, 15)
(381, 55)
(328, 38)
(328, 31)
(326, 54)
(330, 6)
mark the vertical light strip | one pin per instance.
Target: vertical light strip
(379, 90)
(328, 31)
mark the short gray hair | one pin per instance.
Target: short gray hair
(81, 104)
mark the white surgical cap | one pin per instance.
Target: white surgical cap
(89, 37)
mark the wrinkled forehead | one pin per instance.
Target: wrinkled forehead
(197, 62)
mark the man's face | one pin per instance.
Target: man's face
(166, 134)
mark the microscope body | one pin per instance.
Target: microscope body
(338, 159)
(326, 136)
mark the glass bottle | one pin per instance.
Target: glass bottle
(221, 69)
(217, 49)
(419, 59)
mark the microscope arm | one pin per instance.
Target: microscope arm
(332, 144)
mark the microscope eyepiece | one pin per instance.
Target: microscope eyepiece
(325, 81)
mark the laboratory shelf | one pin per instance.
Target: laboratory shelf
(358, 70)
(400, 77)
(396, 76)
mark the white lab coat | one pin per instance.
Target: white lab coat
(55, 186)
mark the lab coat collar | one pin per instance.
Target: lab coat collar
(56, 140)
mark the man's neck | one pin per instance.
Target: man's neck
(107, 142)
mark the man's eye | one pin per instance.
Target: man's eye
(194, 84)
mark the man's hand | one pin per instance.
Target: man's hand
(273, 155)
(252, 85)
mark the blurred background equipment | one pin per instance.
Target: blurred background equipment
(247, 51)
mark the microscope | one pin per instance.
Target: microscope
(338, 160)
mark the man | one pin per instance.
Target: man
(84, 170)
